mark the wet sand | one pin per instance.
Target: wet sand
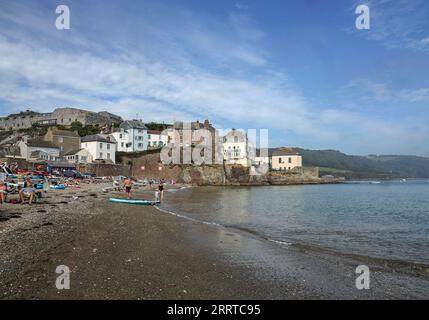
(117, 251)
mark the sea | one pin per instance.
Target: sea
(383, 219)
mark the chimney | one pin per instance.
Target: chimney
(206, 123)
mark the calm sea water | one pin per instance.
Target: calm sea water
(387, 220)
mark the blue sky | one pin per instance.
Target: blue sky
(298, 68)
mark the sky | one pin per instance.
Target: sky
(300, 69)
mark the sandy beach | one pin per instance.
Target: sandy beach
(117, 251)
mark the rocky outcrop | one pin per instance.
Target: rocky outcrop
(148, 165)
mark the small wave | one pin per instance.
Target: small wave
(236, 228)
(188, 218)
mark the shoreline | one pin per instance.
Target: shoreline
(137, 252)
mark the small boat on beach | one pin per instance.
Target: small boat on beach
(129, 201)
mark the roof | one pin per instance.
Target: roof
(229, 137)
(98, 138)
(285, 152)
(194, 125)
(133, 124)
(36, 153)
(72, 152)
(65, 133)
(41, 144)
(154, 132)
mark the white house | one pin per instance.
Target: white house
(235, 148)
(100, 147)
(285, 159)
(156, 139)
(78, 156)
(29, 148)
(131, 136)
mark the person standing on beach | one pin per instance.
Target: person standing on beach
(128, 184)
(3, 191)
(161, 189)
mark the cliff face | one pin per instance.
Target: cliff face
(148, 165)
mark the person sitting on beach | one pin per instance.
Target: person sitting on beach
(128, 184)
(27, 192)
(3, 192)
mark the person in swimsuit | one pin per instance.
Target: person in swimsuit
(128, 184)
(27, 192)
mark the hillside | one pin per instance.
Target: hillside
(363, 167)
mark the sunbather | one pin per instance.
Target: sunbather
(27, 192)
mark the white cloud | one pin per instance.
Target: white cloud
(375, 91)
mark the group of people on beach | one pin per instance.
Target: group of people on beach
(27, 191)
(159, 194)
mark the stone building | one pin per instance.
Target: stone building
(65, 140)
(186, 136)
(285, 159)
(60, 116)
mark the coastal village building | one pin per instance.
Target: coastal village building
(42, 155)
(132, 136)
(81, 156)
(177, 136)
(285, 159)
(236, 148)
(63, 139)
(30, 147)
(156, 139)
(100, 147)
(258, 161)
(182, 134)
(60, 116)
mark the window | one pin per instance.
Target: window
(101, 145)
(108, 156)
(83, 158)
(236, 152)
(280, 160)
(101, 155)
(290, 160)
(108, 146)
(140, 145)
(236, 139)
(120, 136)
(122, 144)
(148, 136)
